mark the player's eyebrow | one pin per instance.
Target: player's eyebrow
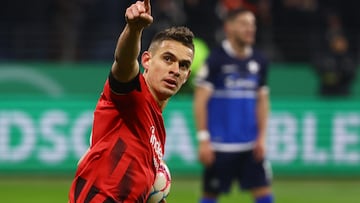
(183, 62)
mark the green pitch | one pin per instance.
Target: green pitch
(187, 190)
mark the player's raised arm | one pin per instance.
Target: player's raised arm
(138, 16)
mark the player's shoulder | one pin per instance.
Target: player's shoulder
(215, 57)
(217, 51)
(259, 54)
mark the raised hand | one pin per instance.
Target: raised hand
(138, 15)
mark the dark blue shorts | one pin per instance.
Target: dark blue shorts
(238, 166)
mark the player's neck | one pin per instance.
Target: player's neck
(237, 50)
(242, 51)
(162, 104)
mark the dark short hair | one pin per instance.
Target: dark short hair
(232, 14)
(181, 34)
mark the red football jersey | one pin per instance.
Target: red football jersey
(127, 143)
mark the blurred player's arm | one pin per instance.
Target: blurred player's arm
(125, 66)
(201, 98)
(262, 110)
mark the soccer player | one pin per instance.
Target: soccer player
(231, 109)
(128, 133)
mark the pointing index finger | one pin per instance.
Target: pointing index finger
(147, 5)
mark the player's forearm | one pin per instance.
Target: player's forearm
(201, 98)
(200, 108)
(126, 53)
(263, 106)
(200, 116)
(128, 45)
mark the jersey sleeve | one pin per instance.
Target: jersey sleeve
(123, 94)
(124, 87)
(205, 76)
(263, 73)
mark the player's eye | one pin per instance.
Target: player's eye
(168, 58)
(184, 65)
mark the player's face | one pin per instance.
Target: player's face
(167, 68)
(242, 29)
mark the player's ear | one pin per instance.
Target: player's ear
(145, 59)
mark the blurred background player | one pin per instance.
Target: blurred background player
(335, 64)
(231, 107)
(128, 132)
(336, 68)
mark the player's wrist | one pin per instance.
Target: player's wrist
(203, 135)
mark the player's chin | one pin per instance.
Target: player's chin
(168, 92)
(171, 88)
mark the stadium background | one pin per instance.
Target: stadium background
(55, 56)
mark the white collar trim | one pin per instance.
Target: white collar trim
(230, 51)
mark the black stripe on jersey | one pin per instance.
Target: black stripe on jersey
(109, 200)
(124, 87)
(142, 197)
(116, 153)
(80, 183)
(91, 194)
(126, 183)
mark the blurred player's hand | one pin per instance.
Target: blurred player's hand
(138, 15)
(206, 153)
(259, 149)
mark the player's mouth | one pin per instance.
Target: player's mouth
(171, 82)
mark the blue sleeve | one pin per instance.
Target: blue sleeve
(263, 72)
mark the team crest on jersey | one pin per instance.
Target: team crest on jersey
(253, 67)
